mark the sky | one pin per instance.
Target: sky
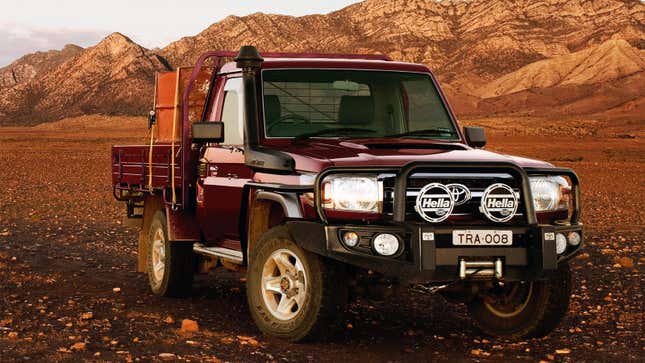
(27, 26)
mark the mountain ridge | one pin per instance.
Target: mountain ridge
(613, 59)
(476, 48)
(113, 77)
(31, 65)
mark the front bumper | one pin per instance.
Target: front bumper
(428, 254)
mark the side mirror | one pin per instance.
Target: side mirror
(206, 132)
(475, 136)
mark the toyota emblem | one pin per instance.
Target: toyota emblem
(460, 193)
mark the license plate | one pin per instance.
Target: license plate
(482, 237)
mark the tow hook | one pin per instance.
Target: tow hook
(481, 269)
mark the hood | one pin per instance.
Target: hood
(315, 155)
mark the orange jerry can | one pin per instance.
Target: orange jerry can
(169, 90)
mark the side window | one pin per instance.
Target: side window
(233, 112)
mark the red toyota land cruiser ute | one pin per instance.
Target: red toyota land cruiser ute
(312, 173)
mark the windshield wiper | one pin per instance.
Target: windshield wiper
(334, 130)
(425, 132)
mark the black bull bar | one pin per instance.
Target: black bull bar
(402, 174)
(426, 261)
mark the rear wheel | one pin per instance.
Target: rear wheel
(293, 294)
(523, 309)
(170, 265)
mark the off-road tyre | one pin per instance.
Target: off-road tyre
(176, 280)
(325, 297)
(546, 307)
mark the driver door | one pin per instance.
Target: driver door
(221, 200)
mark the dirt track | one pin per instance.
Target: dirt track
(63, 251)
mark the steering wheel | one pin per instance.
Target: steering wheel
(289, 116)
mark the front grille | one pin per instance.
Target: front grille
(467, 213)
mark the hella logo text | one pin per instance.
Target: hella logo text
(435, 203)
(497, 203)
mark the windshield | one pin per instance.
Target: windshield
(353, 103)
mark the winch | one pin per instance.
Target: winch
(480, 269)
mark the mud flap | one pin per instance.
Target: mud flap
(182, 226)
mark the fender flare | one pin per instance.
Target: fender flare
(289, 202)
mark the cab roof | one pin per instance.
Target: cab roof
(328, 63)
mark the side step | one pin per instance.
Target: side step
(219, 252)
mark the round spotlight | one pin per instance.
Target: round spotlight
(350, 239)
(560, 243)
(386, 244)
(574, 238)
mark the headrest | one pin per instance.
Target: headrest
(356, 110)
(272, 108)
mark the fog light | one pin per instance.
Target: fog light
(560, 243)
(573, 238)
(350, 239)
(386, 244)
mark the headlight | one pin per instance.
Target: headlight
(356, 193)
(550, 193)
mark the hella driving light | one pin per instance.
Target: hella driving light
(386, 244)
(352, 193)
(550, 193)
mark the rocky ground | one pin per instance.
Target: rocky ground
(68, 290)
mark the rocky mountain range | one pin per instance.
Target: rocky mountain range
(115, 76)
(30, 65)
(609, 77)
(492, 56)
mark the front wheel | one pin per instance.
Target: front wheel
(292, 294)
(523, 309)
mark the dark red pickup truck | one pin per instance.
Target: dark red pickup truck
(317, 173)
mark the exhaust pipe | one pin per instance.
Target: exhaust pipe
(257, 157)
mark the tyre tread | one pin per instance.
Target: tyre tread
(315, 327)
(547, 316)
